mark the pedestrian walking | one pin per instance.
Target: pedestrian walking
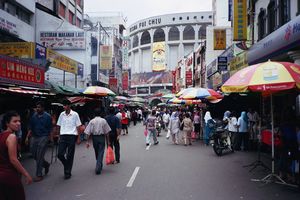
(98, 129)
(10, 167)
(232, 128)
(166, 120)
(134, 117)
(40, 127)
(69, 124)
(196, 122)
(128, 117)
(114, 135)
(209, 125)
(243, 132)
(187, 129)
(150, 126)
(124, 122)
(174, 127)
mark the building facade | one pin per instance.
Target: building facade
(178, 34)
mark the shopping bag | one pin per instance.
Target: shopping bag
(110, 157)
(193, 135)
(168, 134)
(146, 132)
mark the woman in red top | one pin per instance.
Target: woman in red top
(10, 168)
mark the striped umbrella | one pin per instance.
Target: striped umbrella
(98, 91)
(183, 102)
(199, 93)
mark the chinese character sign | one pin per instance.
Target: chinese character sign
(159, 57)
(240, 20)
(219, 39)
(105, 57)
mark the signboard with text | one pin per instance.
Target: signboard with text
(219, 39)
(125, 79)
(16, 71)
(62, 62)
(17, 49)
(63, 39)
(222, 63)
(239, 20)
(105, 57)
(188, 78)
(125, 49)
(8, 26)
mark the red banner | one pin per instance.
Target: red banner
(125, 80)
(16, 71)
(188, 78)
(113, 84)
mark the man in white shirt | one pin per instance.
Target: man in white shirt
(99, 129)
(69, 123)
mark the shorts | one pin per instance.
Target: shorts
(124, 126)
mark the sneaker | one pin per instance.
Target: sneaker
(156, 143)
(147, 144)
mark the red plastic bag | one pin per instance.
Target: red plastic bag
(193, 135)
(110, 157)
(146, 132)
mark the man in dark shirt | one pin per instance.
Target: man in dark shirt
(40, 128)
(115, 125)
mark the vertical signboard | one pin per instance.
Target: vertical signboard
(159, 56)
(239, 20)
(113, 84)
(188, 78)
(125, 79)
(125, 49)
(219, 39)
(229, 10)
(105, 57)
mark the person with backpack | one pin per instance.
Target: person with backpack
(114, 135)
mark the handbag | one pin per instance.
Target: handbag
(110, 157)
(146, 132)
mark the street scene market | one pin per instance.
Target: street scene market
(191, 102)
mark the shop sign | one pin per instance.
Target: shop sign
(238, 63)
(40, 51)
(80, 69)
(145, 24)
(105, 57)
(8, 26)
(113, 84)
(62, 62)
(217, 80)
(212, 68)
(219, 39)
(63, 39)
(125, 80)
(188, 78)
(16, 71)
(125, 50)
(158, 57)
(18, 49)
(240, 20)
(103, 78)
(222, 63)
(189, 62)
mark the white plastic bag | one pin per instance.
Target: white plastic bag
(168, 134)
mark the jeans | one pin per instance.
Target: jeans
(207, 134)
(66, 151)
(115, 144)
(153, 133)
(38, 148)
(99, 147)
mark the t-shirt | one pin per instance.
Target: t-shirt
(232, 124)
(151, 122)
(97, 126)
(68, 123)
(114, 123)
(40, 125)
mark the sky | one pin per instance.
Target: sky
(135, 10)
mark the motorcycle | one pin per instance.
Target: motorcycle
(221, 140)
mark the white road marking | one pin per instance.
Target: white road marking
(134, 174)
(148, 147)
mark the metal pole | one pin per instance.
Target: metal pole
(98, 51)
(64, 78)
(272, 121)
(75, 80)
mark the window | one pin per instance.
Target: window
(135, 41)
(2, 2)
(209, 16)
(284, 11)
(62, 10)
(10, 8)
(298, 7)
(180, 18)
(202, 17)
(187, 18)
(188, 33)
(145, 38)
(173, 18)
(71, 17)
(261, 24)
(23, 15)
(159, 35)
(173, 34)
(78, 22)
(195, 17)
(271, 16)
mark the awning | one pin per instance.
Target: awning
(22, 91)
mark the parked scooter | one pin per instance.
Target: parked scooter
(221, 140)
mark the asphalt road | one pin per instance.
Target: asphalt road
(161, 172)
